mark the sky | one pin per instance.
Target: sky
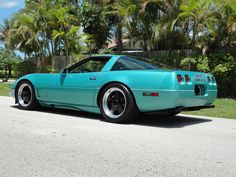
(7, 9)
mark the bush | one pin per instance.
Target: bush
(222, 65)
(46, 69)
(26, 67)
(189, 63)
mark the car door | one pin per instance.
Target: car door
(77, 84)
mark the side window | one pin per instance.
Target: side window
(92, 65)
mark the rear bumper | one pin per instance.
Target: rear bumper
(180, 109)
(184, 100)
(196, 108)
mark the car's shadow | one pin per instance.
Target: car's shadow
(178, 121)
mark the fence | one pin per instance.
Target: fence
(162, 53)
(56, 63)
(169, 57)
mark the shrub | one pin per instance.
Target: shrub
(189, 63)
(26, 67)
(222, 65)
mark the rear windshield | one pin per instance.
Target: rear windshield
(127, 63)
(130, 63)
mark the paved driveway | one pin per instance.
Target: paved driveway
(65, 143)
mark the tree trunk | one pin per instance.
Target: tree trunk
(8, 69)
(119, 38)
(145, 48)
(194, 34)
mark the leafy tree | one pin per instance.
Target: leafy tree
(118, 13)
(196, 15)
(44, 28)
(8, 59)
(47, 28)
(95, 25)
(224, 29)
(3, 30)
(153, 23)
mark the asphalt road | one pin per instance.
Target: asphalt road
(64, 143)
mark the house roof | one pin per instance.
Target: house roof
(113, 43)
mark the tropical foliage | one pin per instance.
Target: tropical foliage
(96, 25)
(43, 28)
(47, 28)
(55, 27)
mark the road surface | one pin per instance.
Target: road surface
(62, 143)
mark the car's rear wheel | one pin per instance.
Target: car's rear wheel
(117, 104)
(25, 96)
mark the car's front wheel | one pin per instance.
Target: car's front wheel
(25, 96)
(117, 104)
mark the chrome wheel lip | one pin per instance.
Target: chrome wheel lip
(21, 100)
(106, 109)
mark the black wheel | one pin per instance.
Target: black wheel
(117, 104)
(25, 96)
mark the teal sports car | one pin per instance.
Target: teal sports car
(118, 87)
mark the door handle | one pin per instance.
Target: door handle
(92, 78)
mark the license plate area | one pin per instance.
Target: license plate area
(200, 90)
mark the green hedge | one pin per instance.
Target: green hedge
(222, 65)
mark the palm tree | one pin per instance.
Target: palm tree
(64, 33)
(122, 10)
(23, 35)
(148, 23)
(228, 14)
(3, 30)
(97, 20)
(35, 29)
(195, 16)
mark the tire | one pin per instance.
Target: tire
(25, 96)
(117, 104)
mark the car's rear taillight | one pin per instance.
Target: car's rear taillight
(187, 78)
(179, 78)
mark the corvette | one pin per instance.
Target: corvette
(118, 87)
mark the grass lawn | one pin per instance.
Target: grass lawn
(4, 89)
(224, 108)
